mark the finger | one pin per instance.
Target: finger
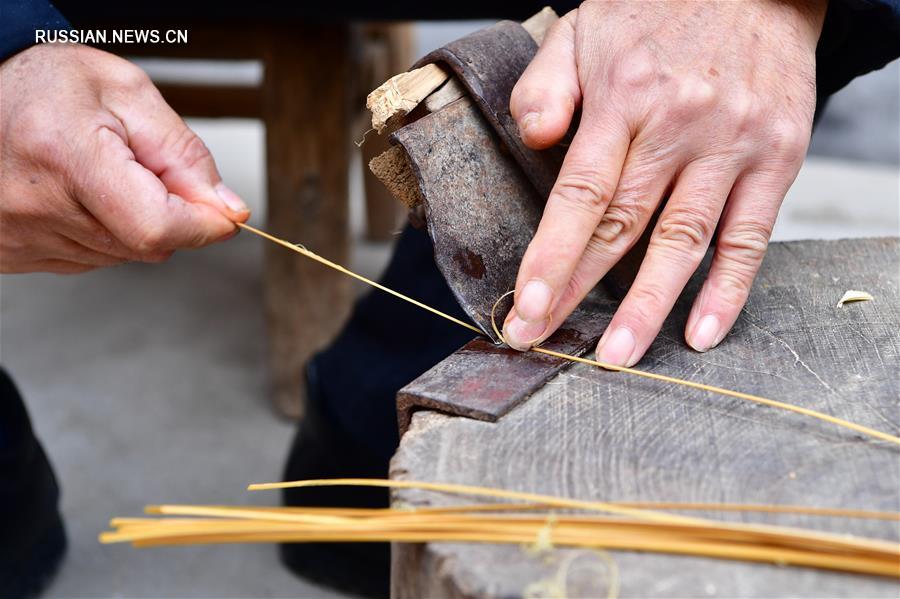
(59, 267)
(677, 246)
(135, 206)
(164, 144)
(82, 228)
(744, 233)
(644, 182)
(586, 183)
(544, 99)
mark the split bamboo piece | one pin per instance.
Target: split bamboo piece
(400, 94)
(482, 524)
(300, 249)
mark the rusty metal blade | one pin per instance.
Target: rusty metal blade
(480, 209)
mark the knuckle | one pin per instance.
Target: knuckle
(693, 96)
(686, 230)
(740, 251)
(622, 220)
(38, 135)
(743, 112)
(745, 243)
(131, 76)
(188, 149)
(733, 286)
(635, 71)
(650, 300)
(149, 240)
(789, 140)
(584, 189)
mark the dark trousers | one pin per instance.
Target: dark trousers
(386, 344)
(32, 540)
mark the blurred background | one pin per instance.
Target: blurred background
(148, 383)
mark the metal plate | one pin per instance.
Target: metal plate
(484, 381)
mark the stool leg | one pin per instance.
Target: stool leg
(305, 107)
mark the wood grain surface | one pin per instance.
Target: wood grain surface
(593, 434)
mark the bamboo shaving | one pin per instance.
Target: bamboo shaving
(300, 249)
(854, 296)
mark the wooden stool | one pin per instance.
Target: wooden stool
(312, 78)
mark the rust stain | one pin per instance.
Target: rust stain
(470, 263)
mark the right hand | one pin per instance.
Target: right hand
(97, 169)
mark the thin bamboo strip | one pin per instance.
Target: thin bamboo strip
(571, 528)
(560, 502)
(300, 249)
(708, 528)
(856, 566)
(818, 511)
(580, 525)
(868, 561)
(532, 497)
(865, 430)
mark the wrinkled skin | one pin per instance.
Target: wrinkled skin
(96, 169)
(707, 103)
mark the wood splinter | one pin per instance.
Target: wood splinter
(400, 94)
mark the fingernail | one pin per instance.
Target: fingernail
(617, 348)
(529, 122)
(522, 335)
(533, 303)
(706, 333)
(231, 199)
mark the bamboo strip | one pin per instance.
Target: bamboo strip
(572, 527)
(835, 512)
(549, 500)
(804, 549)
(300, 249)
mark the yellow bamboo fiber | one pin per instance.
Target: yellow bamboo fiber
(638, 530)
(549, 500)
(400, 512)
(701, 386)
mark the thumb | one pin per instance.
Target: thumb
(546, 95)
(164, 144)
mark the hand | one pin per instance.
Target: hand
(707, 103)
(97, 169)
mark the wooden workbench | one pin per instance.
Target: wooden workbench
(593, 434)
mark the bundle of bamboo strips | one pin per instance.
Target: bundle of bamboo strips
(633, 526)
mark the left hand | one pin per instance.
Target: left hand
(707, 103)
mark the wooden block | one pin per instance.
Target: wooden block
(400, 94)
(392, 169)
(389, 49)
(593, 434)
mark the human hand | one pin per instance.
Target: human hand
(97, 169)
(707, 103)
